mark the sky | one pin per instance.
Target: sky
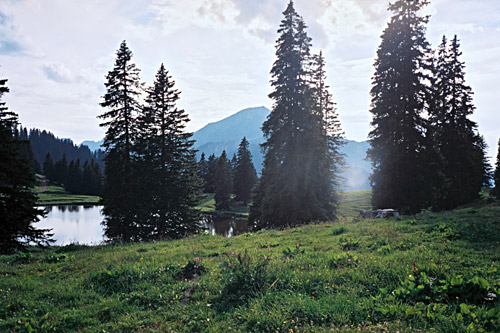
(56, 53)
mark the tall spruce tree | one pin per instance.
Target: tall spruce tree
(17, 202)
(169, 167)
(122, 102)
(461, 148)
(210, 175)
(223, 182)
(296, 184)
(331, 164)
(48, 166)
(245, 175)
(203, 169)
(496, 175)
(398, 142)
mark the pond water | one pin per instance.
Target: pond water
(82, 224)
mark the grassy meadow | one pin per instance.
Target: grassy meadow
(431, 272)
(56, 195)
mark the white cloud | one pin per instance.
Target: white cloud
(57, 72)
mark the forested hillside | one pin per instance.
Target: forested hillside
(44, 142)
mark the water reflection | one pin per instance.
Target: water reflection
(227, 226)
(74, 224)
(82, 224)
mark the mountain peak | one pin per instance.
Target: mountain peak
(245, 123)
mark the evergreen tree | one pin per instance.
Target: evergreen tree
(496, 175)
(61, 171)
(296, 184)
(461, 148)
(210, 176)
(26, 150)
(223, 183)
(245, 175)
(122, 102)
(48, 167)
(234, 163)
(203, 169)
(17, 202)
(398, 142)
(332, 163)
(168, 164)
(74, 183)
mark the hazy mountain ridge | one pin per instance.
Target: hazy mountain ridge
(93, 145)
(226, 134)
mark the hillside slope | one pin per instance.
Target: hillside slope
(436, 272)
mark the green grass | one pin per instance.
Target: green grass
(57, 195)
(207, 205)
(353, 201)
(432, 272)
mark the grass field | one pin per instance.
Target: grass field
(57, 195)
(207, 205)
(431, 272)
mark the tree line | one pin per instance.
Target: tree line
(425, 150)
(225, 177)
(44, 142)
(77, 178)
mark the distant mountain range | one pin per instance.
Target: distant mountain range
(226, 134)
(93, 145)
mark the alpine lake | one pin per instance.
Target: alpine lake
(77, 224)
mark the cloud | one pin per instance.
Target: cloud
(57, 72)
(8, 43)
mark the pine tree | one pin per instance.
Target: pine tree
(461, 148)
(122, 102)
(17, 202)
(291, 191)
(48, 167)
(168, 164)
(398, 142)
(496, 175)
(223, 183)
(74, 183)
(245, 175)
(210, 177)
(203, 169)
(26, 150)
(331, 164)
(61, 171)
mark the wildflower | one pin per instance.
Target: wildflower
(197, 259)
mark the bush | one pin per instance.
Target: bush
(245, 278)
(191, 270)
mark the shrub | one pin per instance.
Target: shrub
(191, 270)
(244, 278)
